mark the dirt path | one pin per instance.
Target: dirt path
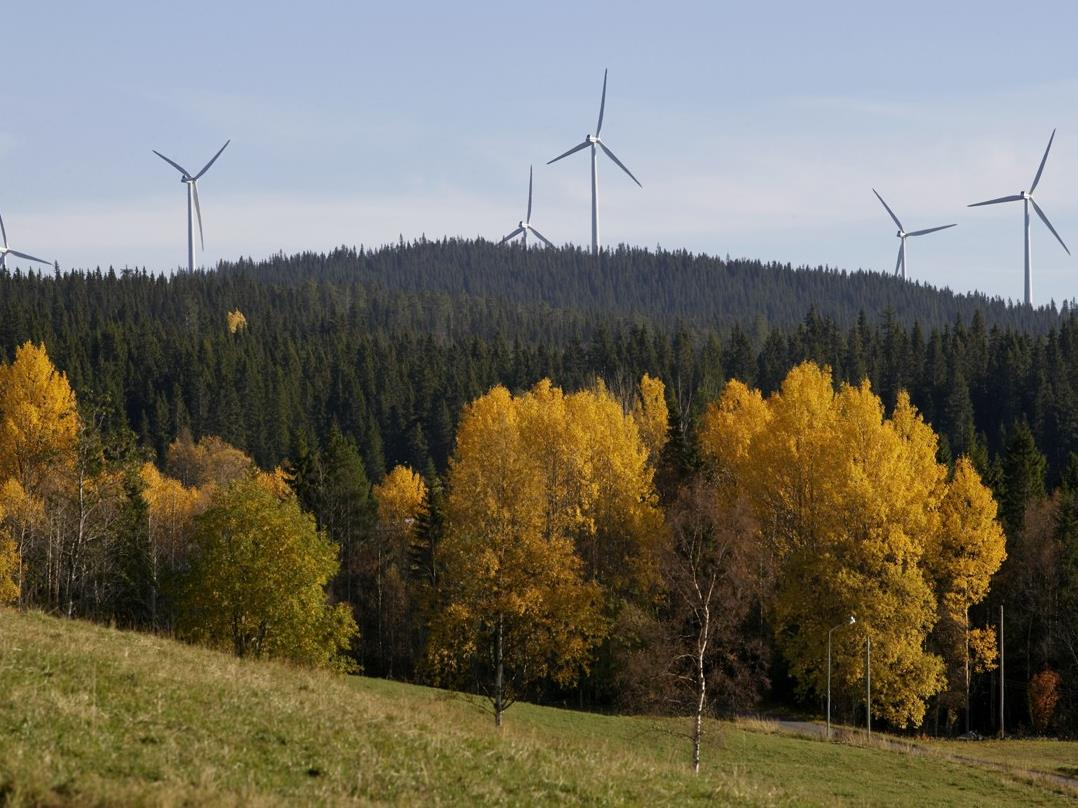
(817, 731)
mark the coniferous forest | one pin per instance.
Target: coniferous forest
(338, 370)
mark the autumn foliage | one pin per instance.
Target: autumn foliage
(220, 551)
(1044, 695)
(256, 579)
(551, 513)
(544, 561)
(862, 520)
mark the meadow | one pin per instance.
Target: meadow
(94, 716)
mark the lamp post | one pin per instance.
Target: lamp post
(848, 622)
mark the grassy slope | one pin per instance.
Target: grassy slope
(90, 715)
(1037, 755)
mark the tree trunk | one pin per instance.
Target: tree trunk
(701, 691)
(378, 608)
(237, 637)
(966, 629)
(499, 676)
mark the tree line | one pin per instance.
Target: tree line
(339, 381)
(393, 369)
(575, 547)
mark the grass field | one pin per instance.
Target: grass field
(90, 715)
(1047, 756)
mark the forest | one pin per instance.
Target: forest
(346, 402)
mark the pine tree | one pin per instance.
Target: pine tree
(1023, 477)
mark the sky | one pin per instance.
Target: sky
(757, 129)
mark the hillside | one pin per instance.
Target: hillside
(666, 288)
(90, 715)
(388, 346)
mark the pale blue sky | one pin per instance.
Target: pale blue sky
(757, 129)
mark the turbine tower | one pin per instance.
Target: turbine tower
(900, 265)
(5, 251)
(192, 196)
(1027, 199)
(525, 225)
(593, 141)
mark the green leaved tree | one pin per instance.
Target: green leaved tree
(257, 579)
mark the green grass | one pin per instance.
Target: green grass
(90, 715)
(1041, 755)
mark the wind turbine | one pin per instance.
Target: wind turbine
(900, 265)
(525, 226)
(192, 195)
(6, 250)
(593, 141)
(1027, 199)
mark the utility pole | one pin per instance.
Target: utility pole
(849, 622)
(868, 685)
(1002, 677)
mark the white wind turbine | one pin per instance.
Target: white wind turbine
(5, 251)
(1027, 199)
(525, 226)
(593, 141)
(900, 265)
(192, 196)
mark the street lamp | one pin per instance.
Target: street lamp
(848, 622)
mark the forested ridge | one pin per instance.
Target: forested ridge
(667, 288)
(389, 345)
(351, 374)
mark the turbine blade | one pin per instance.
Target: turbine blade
(1044, 219)
(28, 257)
(602, 106)
(541, 237)
(930, 230)
(198, 213)
(901, 249)
(583, 145)
(528, 218)
(1011, 198)
(512, 235)
(621, 165)
(1040, 169)
(891, 212)
(173, 163)
(3, 231)
(213, 160)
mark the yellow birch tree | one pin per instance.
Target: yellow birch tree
(850, 501)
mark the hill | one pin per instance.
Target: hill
(388, 345)
(667, 288)
(90, 715)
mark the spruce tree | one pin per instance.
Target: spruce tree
(1023, 477)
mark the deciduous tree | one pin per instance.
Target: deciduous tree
(257, 577)
(514, 606)
(712, 572)
(961, 557)
(849, 502)
(401, 498)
